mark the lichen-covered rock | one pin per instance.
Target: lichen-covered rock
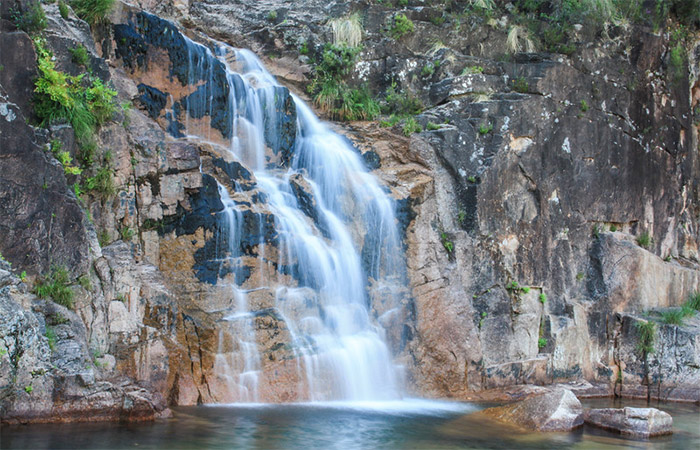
(636, 422)
(557, 410)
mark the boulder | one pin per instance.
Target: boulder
(638, 422)
(556, 410)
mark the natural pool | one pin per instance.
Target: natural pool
(406, 424)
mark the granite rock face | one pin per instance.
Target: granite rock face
(524, 204)
(557, 410)
(636, 422)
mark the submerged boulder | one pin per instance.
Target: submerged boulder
(639, 422)
(556, 410)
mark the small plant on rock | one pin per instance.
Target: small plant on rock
(521, 85)
(411, 126)
(92, 11)
(447, 243)
(644, 240)
(33, 20)
(80, 55)
(56, 285)
(401, 26)
(541, 342)
(63, 9)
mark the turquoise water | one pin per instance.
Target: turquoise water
(408, 424)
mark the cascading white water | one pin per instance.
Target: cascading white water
(338, 345)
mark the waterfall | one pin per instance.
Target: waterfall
(336, 226)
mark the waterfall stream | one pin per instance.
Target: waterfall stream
(334, 237)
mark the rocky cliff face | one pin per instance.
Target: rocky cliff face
(549, 203)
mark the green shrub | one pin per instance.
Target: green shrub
(432, 126)
(126, 233)
(80, 55)
(32, 20)
(447, 243)
(584, 106)
(644, 240)
(63, 9)
(646, 335)
(429, 69)
(401, 103)
(62, 97)
(485, 128)
(694, 301)
(102, 183)
(92, 11)
(543, 298)
(331, 92)
(103, 238)
(51, 337)
(673, 316)
(55, 285)
(677, 63)
(401, 26)
(272, 16)
(521, 85)
(472, 70)
(541, 342)
(410, 126)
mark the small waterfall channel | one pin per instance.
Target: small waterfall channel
(337, 230)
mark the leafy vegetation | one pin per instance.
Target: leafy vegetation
(645, 240)
(402, 104)
(92, 11)
(63, 9)
(332, 94)
(646, 336)
(485, 128)
(411, 126)
(541, 342)
(51, 337)
(32, 20)
(401, 26)
(61, 97)
(56, 285)
(447, 243)
(80, 55)
(521, 85)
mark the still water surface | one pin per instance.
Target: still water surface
(407, 424)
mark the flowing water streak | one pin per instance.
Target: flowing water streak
(342, 347)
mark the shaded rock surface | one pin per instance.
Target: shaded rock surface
(641, 422)
(556, 410)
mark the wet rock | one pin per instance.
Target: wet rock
(636, 422)
(557, 410)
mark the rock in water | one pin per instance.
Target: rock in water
(639, 422)
(557, 410)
